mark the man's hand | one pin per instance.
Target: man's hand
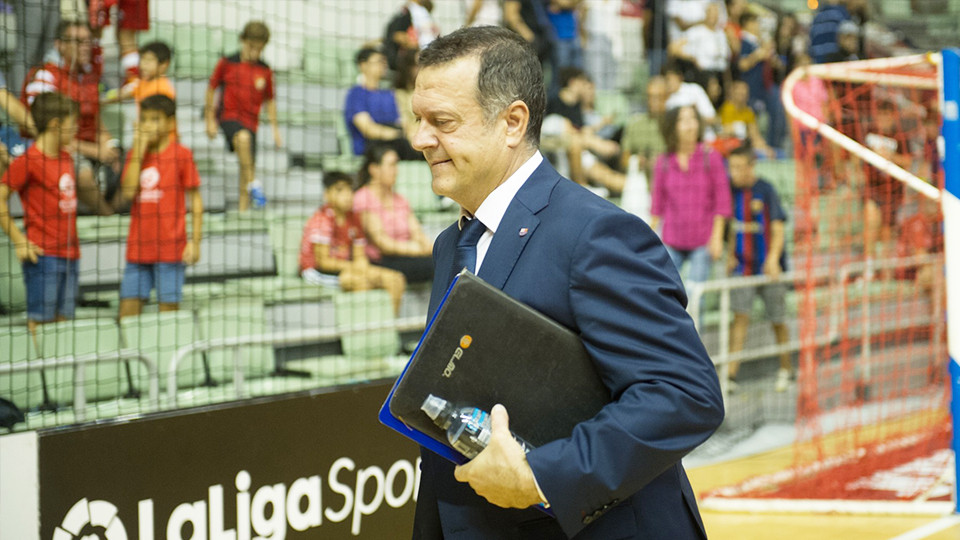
(28, 251)
(191, 253)
(500, 473)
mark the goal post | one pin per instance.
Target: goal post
(876, 221)
(950, 107)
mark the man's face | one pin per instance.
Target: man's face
(741, 171)
(75, 46)
(155, 125)
(468, 157)
(657, 98)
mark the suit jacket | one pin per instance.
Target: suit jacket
(603, 273)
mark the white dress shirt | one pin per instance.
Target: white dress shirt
(492, 209)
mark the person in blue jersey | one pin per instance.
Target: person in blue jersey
(756, 247)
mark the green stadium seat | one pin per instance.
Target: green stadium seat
(287, 286)
(366, 355)
(158, 336)
(329, 61)
(612, 103)
(365, 307)
(23, 388)
(80, 337)
(13, 291)
(228, 318)
(415, 183)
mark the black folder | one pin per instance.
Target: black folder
(483, 347)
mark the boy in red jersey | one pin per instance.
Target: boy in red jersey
(247, 84)
(44, 178)
(159, 175)
(333, 248)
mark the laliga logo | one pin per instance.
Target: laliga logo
(91, 520)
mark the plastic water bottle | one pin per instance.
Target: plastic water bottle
(257, 195)
(468, 428)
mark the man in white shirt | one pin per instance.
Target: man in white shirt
(706, 46)
(682, 93)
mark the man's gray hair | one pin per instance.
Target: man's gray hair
(509, 71)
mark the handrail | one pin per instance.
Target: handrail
(290, 337)
(78, 362)
(723, 358)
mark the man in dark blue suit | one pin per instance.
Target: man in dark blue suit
(588, 265)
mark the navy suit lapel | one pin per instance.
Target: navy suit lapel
(518, 225)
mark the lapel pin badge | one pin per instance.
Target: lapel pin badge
(523, 231)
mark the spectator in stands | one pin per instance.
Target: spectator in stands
(884, 194)
(735, 10)
(641, 135)
(154, 61)
(132, 16)
(160, 175)
(810, 95)
(404, 82)
(755, 55)
(246, 83)
(823, 29)
(76, 74)
(333, 248)
(738, 122)
(922, 234)
(483, 12)
(44, 179)
(655, 39)
(529, 19)
(12, 145)
(681, 93)
(848, 43)
(564, 129)
(371, 113)
(788, 43)
(37, 28)
(395, 238)
(691, 195)
(410, 30)
(567, 26)
(705, 46)
(756, 247)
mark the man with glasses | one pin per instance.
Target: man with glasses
(76, 75)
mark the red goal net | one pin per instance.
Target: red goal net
(872, 425)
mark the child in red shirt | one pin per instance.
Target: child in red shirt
(247, 83)
(44, 178)
(333, 248)
(159, 174)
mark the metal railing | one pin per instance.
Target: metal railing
(288, 338)
(79, 362)
(837, 279)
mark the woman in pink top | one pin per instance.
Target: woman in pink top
(395, 238)
(691, 195)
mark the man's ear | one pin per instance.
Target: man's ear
(517, 117)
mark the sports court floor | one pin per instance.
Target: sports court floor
(737, 526)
